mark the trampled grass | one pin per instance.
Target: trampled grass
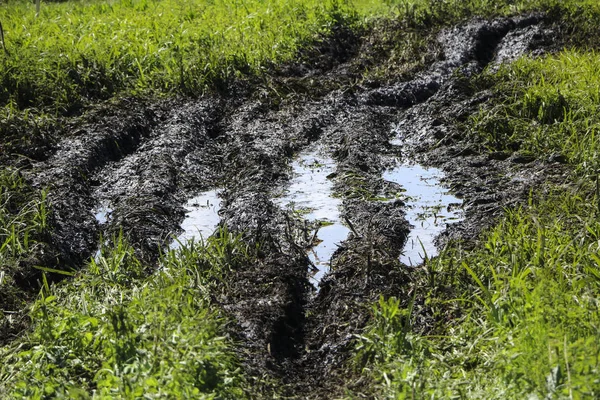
(111, 332)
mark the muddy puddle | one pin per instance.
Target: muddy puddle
(311, 195)
(430, 207)
(201, 218)
(102, 214)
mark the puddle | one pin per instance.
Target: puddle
(102, 214)
(311, 193)
(201, 218)
(430, 209)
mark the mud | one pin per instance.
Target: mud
(133, 167)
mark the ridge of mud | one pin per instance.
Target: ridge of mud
(147, 160)
(107, 134)
(146, 189)
(466, 50)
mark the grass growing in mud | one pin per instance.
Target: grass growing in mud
(112, 332)
(23, 228)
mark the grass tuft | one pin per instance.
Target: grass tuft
(113, 333)
(24, 225)
(540, 109)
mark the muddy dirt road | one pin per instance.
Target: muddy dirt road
(135, 165)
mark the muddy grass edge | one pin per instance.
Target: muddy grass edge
(102, 333)
(515, 316)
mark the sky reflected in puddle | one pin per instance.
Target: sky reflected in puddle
(429, 209)
(311, 193)
(102, 214)
(201, 218)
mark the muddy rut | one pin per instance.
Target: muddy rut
(136, 164)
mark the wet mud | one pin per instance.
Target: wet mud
(138, 166)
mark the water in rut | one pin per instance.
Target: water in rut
(311, 193)
(430, 209)
(102, 214)
(201, 218)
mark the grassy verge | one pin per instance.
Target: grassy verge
(517, 317)
(80, 51)
(546, 107)
(111, 332)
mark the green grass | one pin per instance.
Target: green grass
(541, 109)
(112, 332)
(80, 51)
(84, 51)
(90, 50)
(23, 228)
(23, 217)
(516, 318)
